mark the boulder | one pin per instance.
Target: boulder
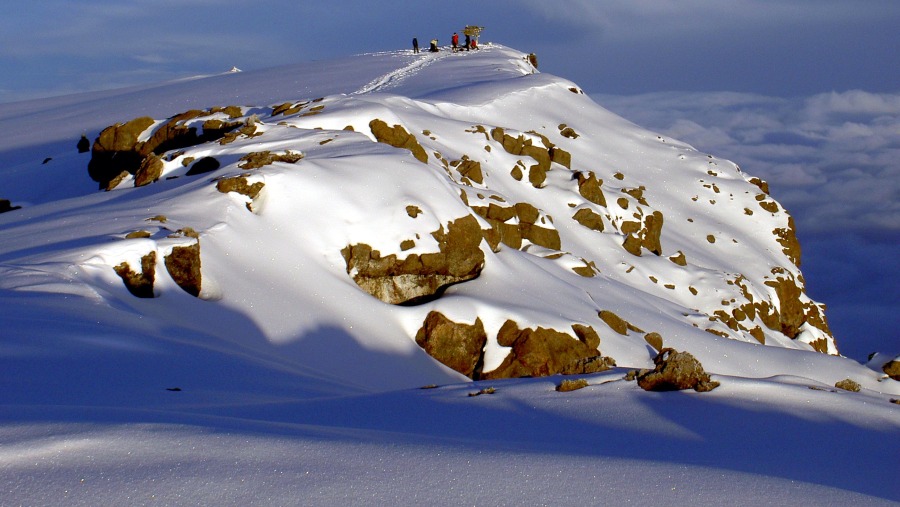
(118, 149)
(183, 265)
(398, 137)
(892, 368)
(139, 284)
(540, 352)
(419, 277)
(676, 371)
(457, 346)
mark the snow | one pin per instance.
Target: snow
(284, 383)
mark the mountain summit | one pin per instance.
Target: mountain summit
(461, 204)
(235, 295)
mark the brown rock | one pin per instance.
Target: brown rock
(239, 184)
(118, 150)
(139, 284)
(398, 137)
(457, 346)
(589, 188)
(787, 238)
(183, 265)
(539, 352)
(589, 219)
(149, 171)
(419, 277)
(892, 369)
(676, 371)
(655, 340)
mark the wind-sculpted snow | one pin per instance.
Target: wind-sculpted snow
(443, 219)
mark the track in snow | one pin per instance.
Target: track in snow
(393, 78)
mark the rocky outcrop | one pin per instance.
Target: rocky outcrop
(457, 346)
(183, 265)
(139, 283)
(398, 137)
(240, 185)
(118, 149)
(259, 159)
(787, 238)
(542, 155)
(676, 371)
(511, 225)
(541, 352)
(892, 368)
(641, 235)
(419, 277)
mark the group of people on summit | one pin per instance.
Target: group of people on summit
(471, 43)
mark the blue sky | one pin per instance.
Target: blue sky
(783, 48)
(804, 93)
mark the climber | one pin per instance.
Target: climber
(434, 46)
(415, 45)
(455, 41)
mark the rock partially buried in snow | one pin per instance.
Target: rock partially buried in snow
(676, 371)
(119, 148)
(457, 346)
(540, 352)
(418, 277)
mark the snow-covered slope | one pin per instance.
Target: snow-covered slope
(259, 238)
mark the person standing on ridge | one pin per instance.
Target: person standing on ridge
(455, 40)
(468, 42)
(415, 45)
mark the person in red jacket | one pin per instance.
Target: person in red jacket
(455, 41)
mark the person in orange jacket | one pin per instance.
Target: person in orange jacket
(455, 41)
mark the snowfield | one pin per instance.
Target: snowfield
(270, 374)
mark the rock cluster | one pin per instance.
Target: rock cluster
(119, 151)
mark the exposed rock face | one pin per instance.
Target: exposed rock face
(676, 371)
(259, 159)
(418, 277)
(457, 346)
(139, 284)
(541, 352)
(892, 369)
(183, 265)
(644, 235)
(520, 145)
(589, 188)
(240, 185)
(511, 225)
(398, 137)
(117, 149)
(149, 171)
